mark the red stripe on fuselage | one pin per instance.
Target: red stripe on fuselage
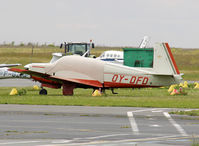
(172, 58)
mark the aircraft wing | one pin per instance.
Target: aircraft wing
(28, 72)
(8, 65)
(48, 77)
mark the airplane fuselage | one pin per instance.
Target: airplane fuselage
(97, 73)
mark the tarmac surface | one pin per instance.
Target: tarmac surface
(40, 125)
(17, 82)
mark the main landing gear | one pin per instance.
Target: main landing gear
(113, 91)
(43, 92)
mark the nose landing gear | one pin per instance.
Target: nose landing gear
(43, 92)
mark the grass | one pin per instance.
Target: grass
(195, 141)
(24, 55)
(192, 75)
(126, 98)
(189, 113)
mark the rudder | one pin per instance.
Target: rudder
(164, 62)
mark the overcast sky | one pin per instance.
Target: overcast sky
(107, 22)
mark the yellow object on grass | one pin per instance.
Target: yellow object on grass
(97, 93)
(185, 86)
(14, 91)
(197, 86)
(181, 84)
(162, 87)
(185, 82)
(171, 88)
(174, 92)
(35, 87)
(178, 92)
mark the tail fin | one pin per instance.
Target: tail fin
(164, 62)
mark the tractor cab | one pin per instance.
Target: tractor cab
(82, 49)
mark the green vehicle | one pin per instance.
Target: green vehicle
(82, 49)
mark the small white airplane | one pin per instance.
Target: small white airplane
(5, 73)
(112, 56)
(118, 56)
(74, 71)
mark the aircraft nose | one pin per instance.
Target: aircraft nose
(27, 66)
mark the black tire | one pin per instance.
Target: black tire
(43, 92)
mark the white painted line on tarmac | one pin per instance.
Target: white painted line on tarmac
(61, 141)
(189, 110)
(49, 145)
(103, 136)
(144, 110)
(89, 138)
(132, 121)
(126, 141)
(18, 142)
(160, 111)
(175, 137)
(155, 125)
(177, 126)
(151, 119)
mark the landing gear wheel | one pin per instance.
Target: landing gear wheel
(43, 92)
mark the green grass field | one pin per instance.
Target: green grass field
(190, 113)
(147, 97)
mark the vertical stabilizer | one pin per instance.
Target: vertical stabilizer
(164, 62)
